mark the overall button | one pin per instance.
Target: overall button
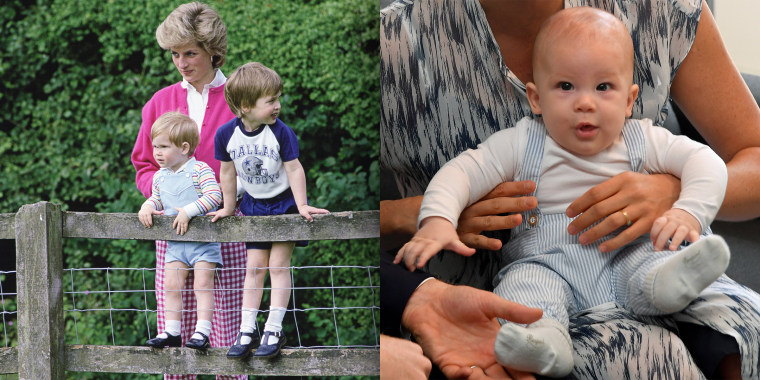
(533, 220)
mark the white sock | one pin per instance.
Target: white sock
(248, 324)
(673, 284)
(202, 326)
(543, 347)
(274, 323)
(172, 328)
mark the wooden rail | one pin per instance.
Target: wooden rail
(39, 230)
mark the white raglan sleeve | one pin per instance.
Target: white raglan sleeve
(473, 174)
(702, 172)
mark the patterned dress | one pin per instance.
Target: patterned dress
(445, 88)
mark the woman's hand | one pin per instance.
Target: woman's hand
(402, 359)
(398, 217)
(484, 215)
(627, 197)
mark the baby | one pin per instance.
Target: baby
(183, 187)
(582, 96)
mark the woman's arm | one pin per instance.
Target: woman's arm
(712, 94)
(142, 153)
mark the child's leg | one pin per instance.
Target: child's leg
(253, 290)
(279, 269)
(174, 280)
(204, 287)
(674, 283)
(542, 347)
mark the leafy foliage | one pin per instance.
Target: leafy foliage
(74, 76)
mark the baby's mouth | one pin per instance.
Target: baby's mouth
(586, 130)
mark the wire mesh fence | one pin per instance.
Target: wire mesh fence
(331, 307)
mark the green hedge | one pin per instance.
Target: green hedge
(75, 75)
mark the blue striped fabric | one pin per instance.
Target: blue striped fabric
(578, 285)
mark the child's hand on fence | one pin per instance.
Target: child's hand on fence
(146, 215)
(307, 211)
(181, 221)
(675, 225)
(435, 234)
(221, 213)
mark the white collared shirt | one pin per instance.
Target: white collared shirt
(196, 102)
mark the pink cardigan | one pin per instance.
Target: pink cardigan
(174, 98)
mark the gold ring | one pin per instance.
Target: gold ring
(473, 366)
(627, 219)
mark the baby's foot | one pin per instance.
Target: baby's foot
(672, 285)
(543, 347)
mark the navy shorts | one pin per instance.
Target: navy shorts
(284, 203)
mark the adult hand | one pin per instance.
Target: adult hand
(643, 198)
(399, 217)
(484, 215)
(457, 327)
(402, 359)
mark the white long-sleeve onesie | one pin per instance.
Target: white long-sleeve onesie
(565, 176)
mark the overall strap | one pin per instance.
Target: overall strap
(633, 135)
(531, 168)
(534, 152)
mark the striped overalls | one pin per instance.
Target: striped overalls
(551, 270)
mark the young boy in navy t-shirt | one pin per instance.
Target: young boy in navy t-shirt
(260, 152)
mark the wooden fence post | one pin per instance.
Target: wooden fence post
(39, 266)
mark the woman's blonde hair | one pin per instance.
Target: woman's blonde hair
(195, 23)
(248, 83)
(180, 127)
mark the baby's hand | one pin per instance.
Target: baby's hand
(221, 213)
(181, 221)
(435, 234)
(676, 225)
(306, 211)
(146, 215)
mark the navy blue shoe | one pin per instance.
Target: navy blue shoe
(169, 341)
(240, 351)
(198, 344)
(270, 350)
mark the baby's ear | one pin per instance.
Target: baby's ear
(185, 148)
(533, 98)
(633, 92)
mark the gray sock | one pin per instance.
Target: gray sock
(673, 284)
(543, 347)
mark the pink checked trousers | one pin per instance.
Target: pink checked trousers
(228, 300)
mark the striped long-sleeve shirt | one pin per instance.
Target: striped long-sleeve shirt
(209, 192)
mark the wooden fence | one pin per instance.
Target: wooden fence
(39, 230)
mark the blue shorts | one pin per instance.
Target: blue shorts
(284, 203)
(190, 252)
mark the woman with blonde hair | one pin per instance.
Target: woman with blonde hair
(197, 38)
